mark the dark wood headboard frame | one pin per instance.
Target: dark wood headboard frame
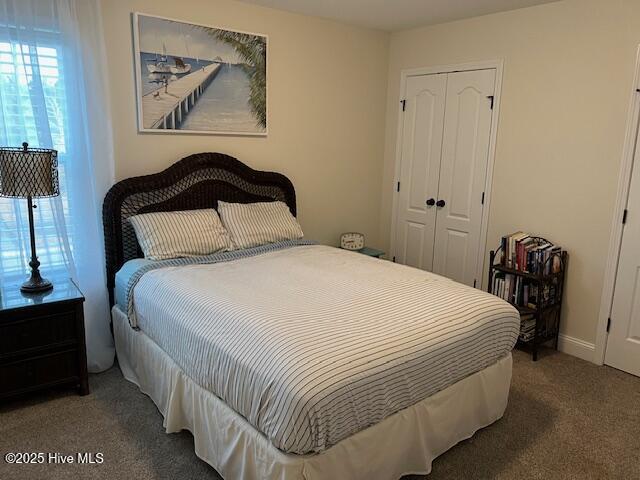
(195, 182)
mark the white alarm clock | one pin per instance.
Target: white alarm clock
(352, 241)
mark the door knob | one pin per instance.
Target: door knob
(431, 202)
(440, 203)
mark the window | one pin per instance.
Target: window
(33, 109)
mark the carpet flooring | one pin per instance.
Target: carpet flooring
(566, 419)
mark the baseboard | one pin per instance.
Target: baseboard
(576, 347)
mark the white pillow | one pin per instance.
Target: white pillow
(252, 224)
(188, 233)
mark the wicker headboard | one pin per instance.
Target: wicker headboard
(197, 181)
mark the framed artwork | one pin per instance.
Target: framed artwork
(199, 79)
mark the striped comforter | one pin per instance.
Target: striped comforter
(312, 344)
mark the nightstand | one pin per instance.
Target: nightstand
(372, 252)
(42, 342)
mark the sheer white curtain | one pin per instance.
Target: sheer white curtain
(53, 95)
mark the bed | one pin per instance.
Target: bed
(295, 360)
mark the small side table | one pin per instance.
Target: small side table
(42, 340)
(372, 252)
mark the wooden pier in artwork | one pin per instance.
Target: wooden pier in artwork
(167, 106)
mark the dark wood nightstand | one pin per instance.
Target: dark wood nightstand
(42, 342)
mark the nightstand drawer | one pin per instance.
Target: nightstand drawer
(50, 369)
(38, 332)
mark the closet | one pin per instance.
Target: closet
(444, 152)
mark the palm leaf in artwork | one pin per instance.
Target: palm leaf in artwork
(252, 49)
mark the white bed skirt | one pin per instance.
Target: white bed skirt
(404, 443)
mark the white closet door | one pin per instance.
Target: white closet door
(465, 152)
(420, 165)
(623, 343)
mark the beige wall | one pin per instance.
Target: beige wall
(566, 87)
(326, 103)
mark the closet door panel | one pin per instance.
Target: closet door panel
(423, 122)
(465, 149)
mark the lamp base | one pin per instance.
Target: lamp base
(36, 285)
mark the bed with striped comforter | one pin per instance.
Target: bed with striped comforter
(312, 344)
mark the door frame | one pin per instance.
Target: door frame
(498, 65)
(622, 196)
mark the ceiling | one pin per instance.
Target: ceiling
(395, 15)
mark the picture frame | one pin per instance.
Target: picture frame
(197, 79)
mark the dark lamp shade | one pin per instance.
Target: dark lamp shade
(28, 172)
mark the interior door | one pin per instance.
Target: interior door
(623, 342)
(463, 171)
(419, 169)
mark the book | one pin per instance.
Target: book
(515, 239)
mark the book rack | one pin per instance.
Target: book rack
(533, 282)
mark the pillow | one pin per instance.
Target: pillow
(188, 233)
(252, 224)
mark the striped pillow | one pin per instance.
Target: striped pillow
(188, 233)
(252, 224)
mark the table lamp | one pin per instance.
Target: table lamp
(30, 173)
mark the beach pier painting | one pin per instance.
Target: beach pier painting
(198, 79)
